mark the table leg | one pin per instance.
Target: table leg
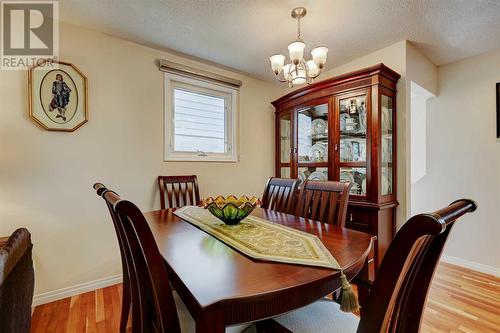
(363, 289)
(364, 279)
(211, 322)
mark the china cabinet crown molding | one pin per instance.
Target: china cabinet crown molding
(386, 75)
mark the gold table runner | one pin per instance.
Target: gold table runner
(263, 240)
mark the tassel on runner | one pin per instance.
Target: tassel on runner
(348, 300)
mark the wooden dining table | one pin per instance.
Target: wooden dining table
(222, 287)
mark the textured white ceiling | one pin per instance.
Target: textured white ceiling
(242, 34)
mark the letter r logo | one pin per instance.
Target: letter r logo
(29, 28)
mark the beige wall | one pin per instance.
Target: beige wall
(47, 177)
(463, 157)
(422, 72)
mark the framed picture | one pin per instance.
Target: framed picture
(498, 110)
(57, 96)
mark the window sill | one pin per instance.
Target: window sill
(184, 158)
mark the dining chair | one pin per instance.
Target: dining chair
(397, 296)
(280, 194)
(324, 201)
(178, 191)
(17, 281)
(155, 307)
(126, 292)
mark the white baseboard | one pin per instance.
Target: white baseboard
(81, 288)
(472, 265)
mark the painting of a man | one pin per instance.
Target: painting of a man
(60, 97)
(57, 96)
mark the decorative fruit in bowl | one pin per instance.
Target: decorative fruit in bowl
(230, 210)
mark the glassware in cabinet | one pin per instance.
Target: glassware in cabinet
(312, 142)
(357, 177)
(353, 129)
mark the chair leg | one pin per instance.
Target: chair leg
(336, 296)
(126, 302)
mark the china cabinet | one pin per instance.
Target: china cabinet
(343, 128)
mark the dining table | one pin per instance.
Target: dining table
(221, 286)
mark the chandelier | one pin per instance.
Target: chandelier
(299, 71)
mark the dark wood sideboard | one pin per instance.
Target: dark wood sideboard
(344, 128)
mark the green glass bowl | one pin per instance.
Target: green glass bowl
(231, 210)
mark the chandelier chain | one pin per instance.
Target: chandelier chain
(298, 29)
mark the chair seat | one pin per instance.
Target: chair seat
(188, 324)
(323, 316)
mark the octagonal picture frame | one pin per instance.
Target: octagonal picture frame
(57, 96)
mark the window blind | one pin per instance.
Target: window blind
(199, 122)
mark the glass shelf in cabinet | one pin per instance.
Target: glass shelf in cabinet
(352, 134)
(312, 164)
(353, 164)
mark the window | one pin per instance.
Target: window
(200, 120)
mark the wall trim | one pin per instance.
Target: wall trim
(54, 295)
(471, 265)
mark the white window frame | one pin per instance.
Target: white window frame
(231, 96)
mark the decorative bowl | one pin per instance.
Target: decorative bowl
(230, 210)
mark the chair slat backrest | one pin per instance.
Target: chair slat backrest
(397, 298)
(178, 191)
(324, 201)
(153, 306)
(280, 194)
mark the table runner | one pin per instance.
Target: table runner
(264, 240)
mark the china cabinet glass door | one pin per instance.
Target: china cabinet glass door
(285, 145)
(352, 146)
(312, 142)
(386, 124)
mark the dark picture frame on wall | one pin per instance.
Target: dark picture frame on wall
(498, 110)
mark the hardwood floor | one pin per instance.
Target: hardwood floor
(95, 311)
(460, 301)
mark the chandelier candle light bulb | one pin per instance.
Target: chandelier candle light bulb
(313, 68)
(300, 70)
(277, 63)
(319, 56)
(296, 51)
